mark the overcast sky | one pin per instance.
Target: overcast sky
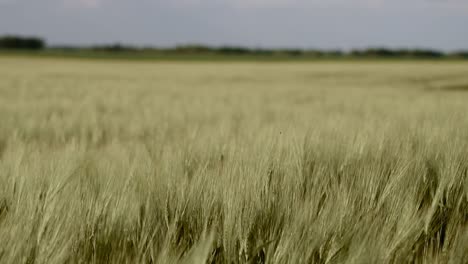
(325, 24)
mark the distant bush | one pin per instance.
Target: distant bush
(191, 49)
(224, 50)
(460, 54)
(24, 43)
(424, 53)
(113, 48)
(386, 53)
(379, 52)
(233, 50)
(289, 52)
(314, 53)
(334, 53)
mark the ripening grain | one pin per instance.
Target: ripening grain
(326, 162)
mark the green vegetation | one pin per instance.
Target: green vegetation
(21, 43)
(16, 45)
(176, 55)
(132, 162)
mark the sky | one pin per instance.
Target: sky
(320, 24)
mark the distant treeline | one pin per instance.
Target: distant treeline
(233, 50)
(34, 43)
(22, 43)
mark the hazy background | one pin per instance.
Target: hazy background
(323, 24)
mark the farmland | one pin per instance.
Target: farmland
(233, 162)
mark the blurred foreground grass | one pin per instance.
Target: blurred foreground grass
(331, 162)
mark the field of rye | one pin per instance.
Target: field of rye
(233, 162)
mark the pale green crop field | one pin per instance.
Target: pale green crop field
(199, 162)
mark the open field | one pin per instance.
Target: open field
(326, 162)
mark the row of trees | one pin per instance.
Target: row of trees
(23, 43)
(33, 43)
(233, 50)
